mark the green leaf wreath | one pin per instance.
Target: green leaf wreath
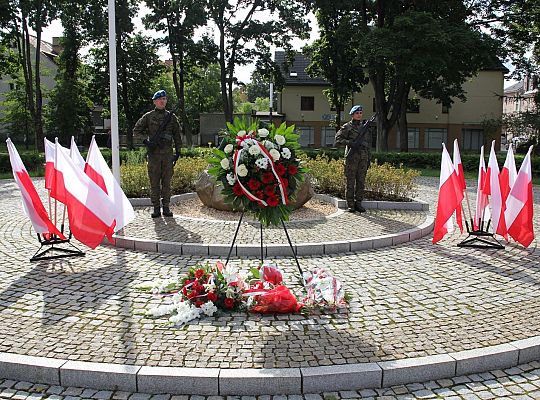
(258, 169)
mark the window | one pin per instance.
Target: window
(11, 86)
(306, 135)
(444, 109)
(328, 136)
(472, 139)
(434, 137)
(413, 135)
(413, 105)
(307, 103)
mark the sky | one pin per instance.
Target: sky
(243, 73)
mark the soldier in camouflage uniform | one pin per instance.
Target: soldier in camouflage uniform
(160, 156)
(357, 141)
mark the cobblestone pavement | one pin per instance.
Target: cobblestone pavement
(333, 228)
(518, 383)
(410, 300)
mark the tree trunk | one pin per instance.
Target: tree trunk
(227, 111)
(23, 47)
(38, 120)
(402, 126)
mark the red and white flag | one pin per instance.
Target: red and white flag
(90, 210)
(49, 163)
(458, 167)
(508, 174)
(493, 189)
(450, 197)
(75, 154)
(32, 205)
(482, 200)
(519, 205)
(98, 170)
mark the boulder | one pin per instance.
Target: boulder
(209, 192)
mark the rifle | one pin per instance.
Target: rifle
(355, 145)
(153, 142)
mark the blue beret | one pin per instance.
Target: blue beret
(356, 108)
(158, 94)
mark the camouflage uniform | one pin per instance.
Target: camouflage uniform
(160, 158)
(356, 160)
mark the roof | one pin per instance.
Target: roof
(516, 87)
(295, 74)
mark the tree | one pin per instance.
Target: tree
(246, 30)
(141, 66)
(426, 46)
(15, 113)
(258, 87)
(34, 14)
(333, 55)
(179, 19)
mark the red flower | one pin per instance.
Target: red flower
(259, 194)
(267, 177)
(254, 184)
(199, 273)
(212, 296)
(280, 169)
(237, 190)
(269, 190)
(191, 294)
(228, 303)
(199, 303)
(293, 169)
(285, 183)
(272, 201)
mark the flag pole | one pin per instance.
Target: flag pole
(113, 86)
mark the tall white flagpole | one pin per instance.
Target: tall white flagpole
(113, 85)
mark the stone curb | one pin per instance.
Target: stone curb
(271, 250)
(223, 382)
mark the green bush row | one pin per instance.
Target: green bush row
(424, 160)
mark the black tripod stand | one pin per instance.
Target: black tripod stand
(480, 238)
(52, 245)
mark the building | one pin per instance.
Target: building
(303, 103)
(519, 98)
(48, 54)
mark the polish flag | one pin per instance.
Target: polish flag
(519, 205)
(32, 205)
(482, 201)
(98, 170)
(90, 210)
(458, 167)
(75, 155)
(508, 174)
(450, 197)
(492, 188)
(49, 163)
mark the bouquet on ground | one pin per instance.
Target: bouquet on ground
(258, 169)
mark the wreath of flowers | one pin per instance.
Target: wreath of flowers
(258, 169)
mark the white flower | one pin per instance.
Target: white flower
(161, 310)
(242, 170)
(225, 163)
(241, 133)
(263, 132)
(231, 178)
(275, 154)
(286, 153)
(254, 150)
(268, 144)
(262, 163)
(228, 148)
(280, 139)
(230, 273)
(208, 308)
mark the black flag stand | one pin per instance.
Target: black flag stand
(52, 246)
(480, 238)
(262, 249)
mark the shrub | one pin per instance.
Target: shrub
(383, 182)
(186, 171)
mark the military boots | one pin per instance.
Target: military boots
(156, 213)
(167, 211)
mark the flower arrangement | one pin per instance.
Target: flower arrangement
(258, 169)
(207, 288)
